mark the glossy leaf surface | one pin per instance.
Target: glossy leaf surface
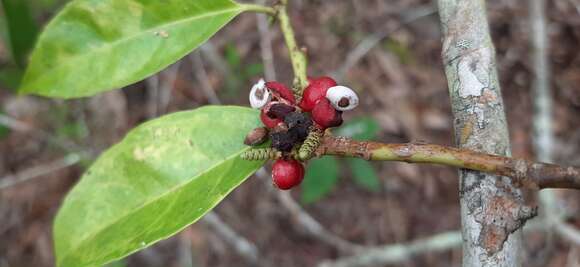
(97, 45)
(163, 176)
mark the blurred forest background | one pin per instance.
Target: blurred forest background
(389, 51)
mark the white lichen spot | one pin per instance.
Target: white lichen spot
(473, 72)
(470, 84)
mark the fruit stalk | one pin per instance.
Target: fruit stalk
(297, 56)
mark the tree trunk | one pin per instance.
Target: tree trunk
(492, 208)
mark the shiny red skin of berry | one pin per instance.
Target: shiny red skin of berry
(315, 91)
(325, 115)
(270, 123)
(287, 173)
(279, 89)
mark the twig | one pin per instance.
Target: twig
(266, 46)
(65, 145)
(543, 138)
(374, 39)
(201, 76)
(396, 253)
(159, 90)
(309, 224)
(523, 172)
(243, 247)
(166, 86)
(392, 254)
(215, 59)
(543, 132)
(297, 56)
(313, 227)
(567, 232)
(152, 86)
(184, 253)
(38, 171)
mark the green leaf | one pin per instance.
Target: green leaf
(92, 46)
(321, 177)
(163, 176)
(119, 263)
(364, 128)
(364, 174)
(21, 29)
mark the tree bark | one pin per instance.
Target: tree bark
(492, 207)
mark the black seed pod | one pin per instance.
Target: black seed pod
(298, 123)
(283, 140)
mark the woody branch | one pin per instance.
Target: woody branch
(523, 172)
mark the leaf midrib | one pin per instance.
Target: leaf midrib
(107, 46)
(134, 210)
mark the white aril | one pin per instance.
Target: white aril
(342, 98)
(259, 95)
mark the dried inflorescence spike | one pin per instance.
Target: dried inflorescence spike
(311, 143)
(261, 154)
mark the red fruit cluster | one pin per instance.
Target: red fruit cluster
(288, 123)
(287, 173)
(314, 100)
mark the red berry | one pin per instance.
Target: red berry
(269, 121)
(274, 112)
(281, 91)
(325, 115)
(315, 91)
(287, 173)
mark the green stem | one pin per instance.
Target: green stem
(297, 56)
(259, 8)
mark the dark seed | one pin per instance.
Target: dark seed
(279, 111)
(343, 102)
